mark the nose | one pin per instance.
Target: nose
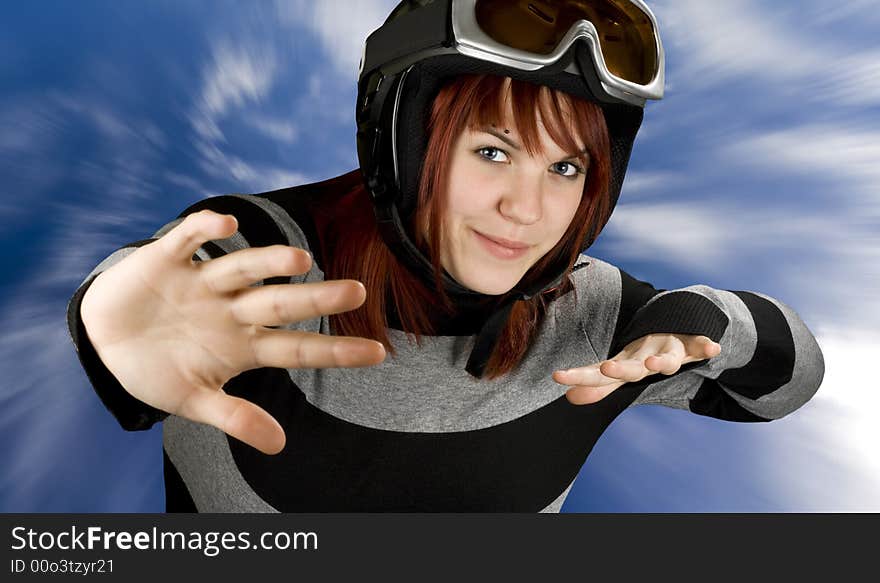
(522, 201)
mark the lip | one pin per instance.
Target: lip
(502, 248)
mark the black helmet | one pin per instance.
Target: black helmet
(604, 51)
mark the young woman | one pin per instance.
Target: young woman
(426, 333)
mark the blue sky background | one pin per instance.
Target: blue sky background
(760, 170)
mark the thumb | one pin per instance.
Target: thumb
(236, 417)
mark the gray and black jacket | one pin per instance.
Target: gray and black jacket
(417, 432)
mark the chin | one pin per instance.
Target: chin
(485, 283)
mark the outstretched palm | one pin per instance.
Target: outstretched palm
(174, 331)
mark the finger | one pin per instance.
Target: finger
(586, 375)
(666, 363)
(247, 266)
(182, 242)
(629, 369)
(701, 347)
(642, 348)
(582, 395)
(237, 417)
(275, 305)
(294, 349)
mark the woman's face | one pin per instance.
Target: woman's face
(504, 208)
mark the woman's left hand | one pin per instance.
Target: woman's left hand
(651, 354)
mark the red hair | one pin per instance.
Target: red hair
(469, 101)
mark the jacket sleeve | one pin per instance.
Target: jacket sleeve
(261, 223)
(769, 365)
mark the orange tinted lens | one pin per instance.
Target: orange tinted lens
(626, 34)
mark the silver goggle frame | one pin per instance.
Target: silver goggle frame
(473, 42)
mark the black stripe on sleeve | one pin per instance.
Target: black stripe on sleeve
(255, 225)
(305, 202)
(131, 413)
(212, 249)
(772, 364)
(633, 295)
(177, 496)
(712, 401)
(312, 208)
(677, 312)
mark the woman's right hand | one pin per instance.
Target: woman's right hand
(173, 331)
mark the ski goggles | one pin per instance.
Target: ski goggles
(622, 37)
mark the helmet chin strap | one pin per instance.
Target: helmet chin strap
(398, 240)
(485, 341)
(488, 336)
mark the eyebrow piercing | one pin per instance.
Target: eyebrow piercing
(506, 131)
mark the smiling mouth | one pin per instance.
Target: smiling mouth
(502, 249)
(514, 245)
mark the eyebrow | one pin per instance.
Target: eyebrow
(502, 137)
(515, 146)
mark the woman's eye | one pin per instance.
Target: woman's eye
(493, 154)
(567, 169)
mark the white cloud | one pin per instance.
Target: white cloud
(674, 233)
(850, 155)
(33, 134)
(342, 26)
(826, 262)
(730, 37)
(822, 12)
(30, 354)
(45, 396)
(187, 183)
(720, 40)
(28, 126)
(281, 130)
(234, 77)
(836, 275)
(42, 408)
(830, 446)
(649, 182)
(254, 177)
(850, 79)
(109, 124)
(237, 75)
